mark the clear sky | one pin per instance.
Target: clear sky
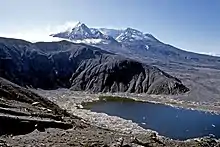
(188, 24)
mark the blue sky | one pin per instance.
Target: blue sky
(188, 24)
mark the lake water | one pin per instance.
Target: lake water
(167, 121)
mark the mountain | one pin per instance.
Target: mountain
(51, 65)
(82, 34)
(80, 31)
(195, 70)
(137, 45)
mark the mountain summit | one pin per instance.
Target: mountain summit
(79, 31)
(130, 34)
(131, 43)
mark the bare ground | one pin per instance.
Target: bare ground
(99, 129)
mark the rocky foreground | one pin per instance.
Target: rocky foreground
(28, 119)
(22, 111)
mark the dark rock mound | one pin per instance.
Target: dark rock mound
(50, 65)
(119, 75)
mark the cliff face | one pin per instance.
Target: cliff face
(80, 67)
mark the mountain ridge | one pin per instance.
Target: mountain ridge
(51, 65)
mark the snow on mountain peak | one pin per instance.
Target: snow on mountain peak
(81, 32)
(81, 27)
(111, 32)
(133, 31)
(78, 24)
(131, 35)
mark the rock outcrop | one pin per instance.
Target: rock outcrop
(50, 65)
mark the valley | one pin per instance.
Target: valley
(45, 84)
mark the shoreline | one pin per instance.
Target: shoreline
(168, 101)
(71, 101)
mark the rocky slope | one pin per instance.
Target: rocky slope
(22, 111)
(41, 128)
(114, 74)
(81, 67)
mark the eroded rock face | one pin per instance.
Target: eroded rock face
(117, 75)
(80, 67)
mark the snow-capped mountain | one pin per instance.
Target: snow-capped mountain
(82, 34)
(130, 35)
(129, 42)
(80, 31)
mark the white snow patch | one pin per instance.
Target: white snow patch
(147, 47)
(88, 41)
(136, 37)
